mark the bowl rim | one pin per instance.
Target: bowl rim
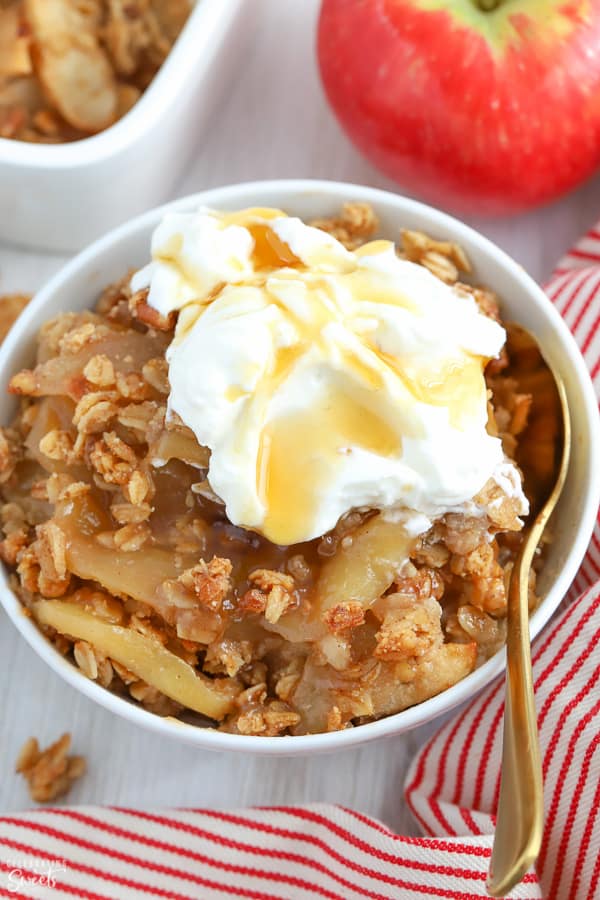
(209, 738)
(193, 42)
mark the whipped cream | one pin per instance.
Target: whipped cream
(322, 380)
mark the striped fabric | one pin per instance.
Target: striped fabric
(329, 852)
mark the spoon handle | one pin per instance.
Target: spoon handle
(520, 808)
(519, 823)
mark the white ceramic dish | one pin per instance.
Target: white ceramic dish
(61, 197)
(79, 283)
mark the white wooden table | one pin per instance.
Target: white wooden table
(273, 123)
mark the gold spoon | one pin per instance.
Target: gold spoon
(519, 823)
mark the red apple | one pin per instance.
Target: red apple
(485, 106)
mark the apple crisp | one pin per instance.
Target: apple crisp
(69, 70)
(122, 553)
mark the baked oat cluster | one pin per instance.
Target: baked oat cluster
(11, 306)
(71, 69)
(50, 772)
(126, 560)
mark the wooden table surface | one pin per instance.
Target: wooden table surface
(273, 122)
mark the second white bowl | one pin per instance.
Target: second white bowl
(62, 196)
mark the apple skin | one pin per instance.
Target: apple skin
(489, 121)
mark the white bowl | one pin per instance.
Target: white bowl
(77, 287)
(62, 196)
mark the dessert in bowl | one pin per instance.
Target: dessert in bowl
(270, 482)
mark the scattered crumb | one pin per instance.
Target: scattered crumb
(11, 305)
(50, 773)
(356, 223)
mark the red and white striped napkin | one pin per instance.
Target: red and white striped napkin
(329, 852)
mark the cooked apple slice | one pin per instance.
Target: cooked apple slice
(52, 413)
(435, 673)
(142, 655)
(135, 574)
(382, 691)
(366, 568)
(14, 43)
(63, 374)
(72, 67)
(179, 445)
(138, 575)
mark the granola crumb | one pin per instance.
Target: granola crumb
(153, 700)
(344, 616)
(138, 488)
(131, 386)
(132, 537)
(138, 416)
(334, 719)
(94, 411)
(253, 602)
(100, 371)
(258, 715)
(13, 545)
(42, 565)
(11, 306)
(52, 550)
(128, 514)
(49, 773)
(148, 315)
(113, 459)
(227, 656)
(286, 685)
(58, 445)
(55, 485)
(92, 663)
(74, 490)
(77, 338)
(409, 630)
(353, 227)
(444, 259)
(209, 582)
(9, 453)
(273, 595)
(23, 383)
